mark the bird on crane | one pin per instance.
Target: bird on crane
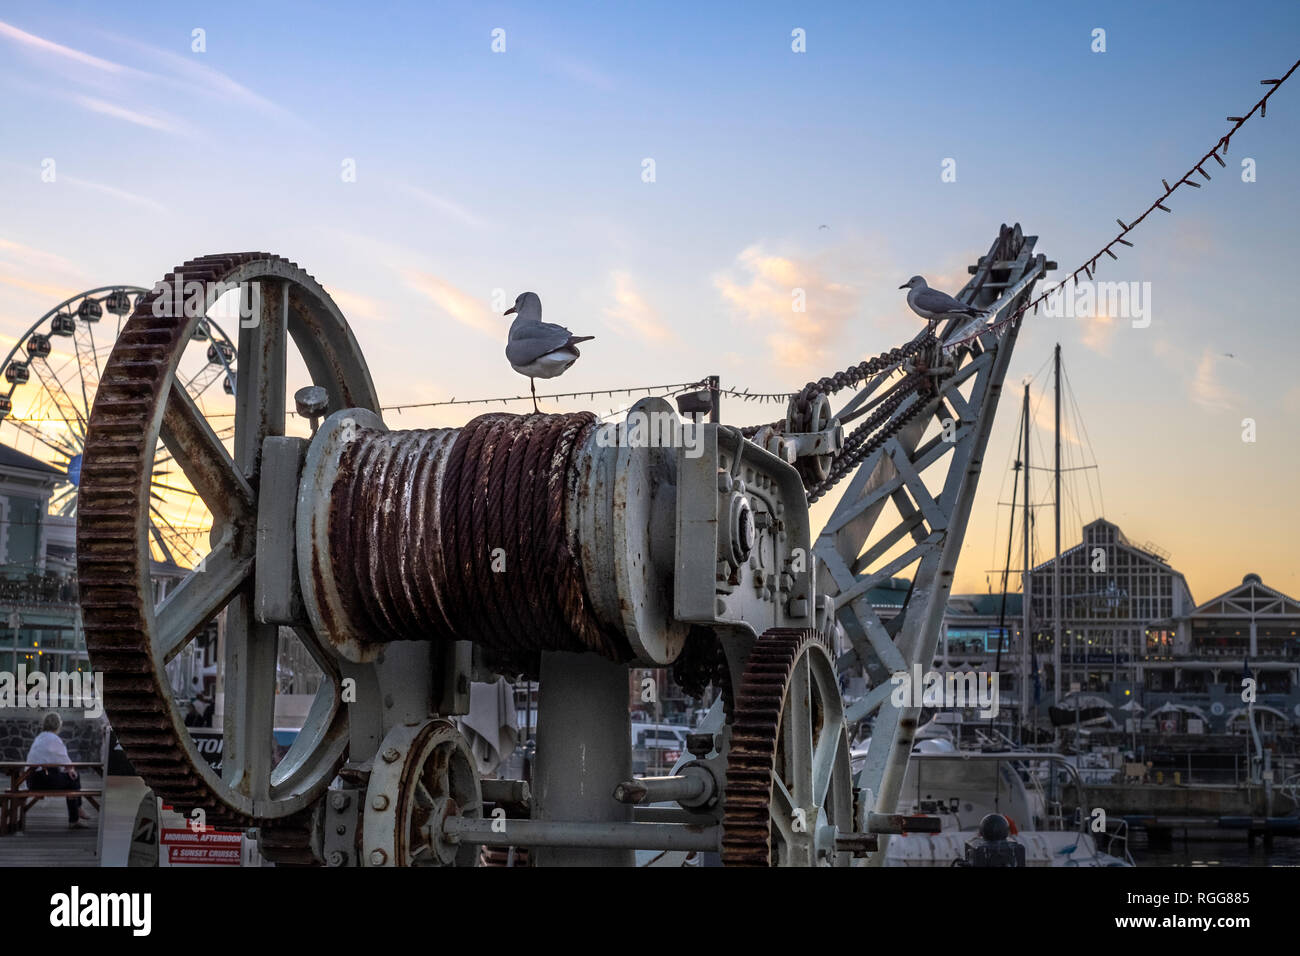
(539, 349)
(933, 305)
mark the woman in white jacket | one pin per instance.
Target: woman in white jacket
(48, 748)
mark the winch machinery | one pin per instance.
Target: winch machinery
(410, 563)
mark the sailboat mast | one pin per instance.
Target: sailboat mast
(1056, 565)
(1026, 589)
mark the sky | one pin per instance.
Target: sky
(424, 178)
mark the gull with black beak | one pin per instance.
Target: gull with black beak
(539, 349)
(933, 305)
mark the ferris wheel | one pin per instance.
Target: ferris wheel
(51, 375)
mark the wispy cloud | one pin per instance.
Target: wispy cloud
(355, 306)
(116, 193)
(766, 292)
(188, 73)
(583, 73)
(50, 48)
(1098, 332)
(1206, 388)
(123, 113)
(631, 312)
(177, 72)
(52, 292)
(445, 206)
(456, 303)
(37, 258)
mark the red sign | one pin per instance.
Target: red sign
(208, 846)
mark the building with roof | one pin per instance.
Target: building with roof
(38, 594)
(1120, 603)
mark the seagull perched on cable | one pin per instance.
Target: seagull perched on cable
(539, 349)
(933, 305)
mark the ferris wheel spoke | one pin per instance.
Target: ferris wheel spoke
(157, 534)
(28, 428)
(199, 596)
(204, 377)
(61, 400)
(204, 459)
(88, 385)
(165, 531)
(61, 498)
(173, 488)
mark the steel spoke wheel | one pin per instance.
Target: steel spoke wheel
(789, 791)
(424, 773)
(143, 411)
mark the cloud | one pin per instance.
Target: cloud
(183, 73)
(113, 191)
(445, 206)
(1205, 387)
(356, 306)
(189, 74)
(631, 312)
(1098, 331)
(460, 306)
(52, 292)
(121, 112)
(41, 45)
(766, 292)
(37, 258)
(582, 73)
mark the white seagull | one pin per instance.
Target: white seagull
(933, 305)
(539, 349)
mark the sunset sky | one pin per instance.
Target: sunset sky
(522, 170)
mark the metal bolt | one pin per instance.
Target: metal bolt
(340, 801)
(336, 858)
(391, 754)
(699, 745)
(378, 857)
(311, 403)
(380, 802)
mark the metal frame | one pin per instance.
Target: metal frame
(936, 523)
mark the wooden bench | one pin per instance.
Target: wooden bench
(15, 802)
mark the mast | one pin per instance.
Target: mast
(1025, 588)
(1056, 565)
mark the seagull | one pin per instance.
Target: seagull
(539, 349)
(933, 305)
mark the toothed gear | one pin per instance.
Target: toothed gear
(788, 694)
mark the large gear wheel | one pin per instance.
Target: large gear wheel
(789, 790)
(139, 407)
(424, 773)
